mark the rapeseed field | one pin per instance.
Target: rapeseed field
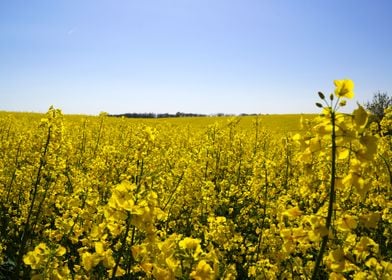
(255, 197)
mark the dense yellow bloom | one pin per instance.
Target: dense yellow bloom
(347, 223)
(119, 272)
(354, 179)
(370, 220)
(122, 197)
(360, 117)
(60, 251)
(196, 198)
(90, 260)
(368, 149)
(336, 260)
(37, 257)
(291, 237)
(319, 230)
(293, 212)
(336, 276)
(189, 243)
(203, 271)
(162, 274)
(32, 260)
(365, 247)
(344, 88)
(172, 263)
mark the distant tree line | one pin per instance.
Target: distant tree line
(154, 115)
(377, 107)
(176, 115)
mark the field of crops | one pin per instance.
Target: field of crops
(266, 197)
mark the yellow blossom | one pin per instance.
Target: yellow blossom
(32, 260)
(119, 272)
(122, 197)
(203, 271)
(162, 274)
(336, 276)
(36, 257)
(354, 179)
(336, 260)
(370, 220)
(319, 230)
(172, 263)
(344, 88)
(293, 212)
(347, 223)
(107, 259)
(364, 247)
(89, 260)
(189, 243)
(99, 247)
(360, 117)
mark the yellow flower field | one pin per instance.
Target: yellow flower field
(267, 197)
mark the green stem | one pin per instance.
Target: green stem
(123, 245)
(99, 137)
(264, 214)
(27, 227)
(388, 169)
(316, 271)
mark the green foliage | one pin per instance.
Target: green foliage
(380, 102)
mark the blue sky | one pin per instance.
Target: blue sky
(199, 56)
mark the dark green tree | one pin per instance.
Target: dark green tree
(380, 101)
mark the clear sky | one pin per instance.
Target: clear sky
(198, 56)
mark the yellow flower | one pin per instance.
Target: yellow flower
(119, 271)
(99, 248)
(370, 220)
(32, 260)
(161, 273)
(189, 243)
(343, 153)
(369, 148)
(344, 88)
(203, 271)
(360, 117)
(364, 247)
(122, 197)
(41, 249)
(347, 223)
(108, 260)
(293, 212)
(318, 231)
(115, 228)
(336, 260)
(60, 251)
(355, 179)
(252, 271)
(172, 263)
(90, 260)
(36, 257)
(336, 276)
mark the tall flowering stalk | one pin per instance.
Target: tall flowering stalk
(342, 136)
(344, 89)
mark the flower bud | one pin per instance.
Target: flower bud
(331, 97)
(319, 105)
(322, 96)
